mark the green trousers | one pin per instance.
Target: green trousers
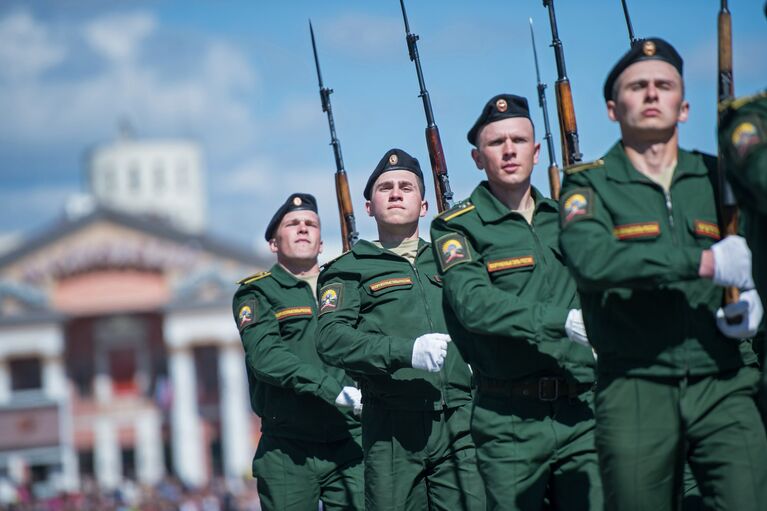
(419, 460)
(296, 475)
(648, 428)
(535, 454)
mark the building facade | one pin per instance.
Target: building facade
(119, 357)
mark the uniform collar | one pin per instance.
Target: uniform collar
(619, 167)
(283, 276)
(366, 248)
(490, 209)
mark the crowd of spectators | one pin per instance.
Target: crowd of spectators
(168, 495)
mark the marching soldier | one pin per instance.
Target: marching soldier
(310, 445)
(676, 373)
(381, 320)
(513, 311)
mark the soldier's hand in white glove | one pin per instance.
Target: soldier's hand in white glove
(575, 328)
(732, 263)
(749, 308)
(350, 397)
(429, 352)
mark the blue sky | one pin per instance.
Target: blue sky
(238, 76)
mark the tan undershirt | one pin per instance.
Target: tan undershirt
(407, 249)
(527, 212)
(664, 177)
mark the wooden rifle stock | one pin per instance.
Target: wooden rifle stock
(568, 129)
(554, 182)
(345, 208)
(439, 168)
(728, 209)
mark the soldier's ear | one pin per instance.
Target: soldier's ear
(368, 208)
(322, 244)
(477, 159)
(273, 245)
(611, 110)
(684, 111)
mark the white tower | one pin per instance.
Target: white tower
(162, 178)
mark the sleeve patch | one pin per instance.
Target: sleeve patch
(745, 136)
(635, 231)
(246, 314)
(330, 297)
(453, 250)
(292, 312)
(577, 205)
(708, 229)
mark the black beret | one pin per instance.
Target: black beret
(296, 202)
(652, 48)
(502, 106)
(394, 159)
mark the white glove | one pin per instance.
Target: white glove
(732, 263)
(350, 397)
(575, 329)
(429, 352)
(749, 307)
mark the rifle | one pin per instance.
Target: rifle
(568, 128)
(554, 182)
(632, 40)
(433, 141)
(728, 209)
(345, 209)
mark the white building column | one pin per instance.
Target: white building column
(106, 454)
(149, 461)
(5, 382)
(235, 426)
(187, 434)
(54, 380)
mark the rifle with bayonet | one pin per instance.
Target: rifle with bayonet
(554, 180)
(632, 40)
(568, 129)
(433, 141)
(728, 209)
(345, 208)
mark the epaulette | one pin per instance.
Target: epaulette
(580, 167)
(331, 261)
(457, 210)
(734, 104)
(256, 276)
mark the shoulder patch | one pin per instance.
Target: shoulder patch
(330, 297)
(580, 167)
(745, 136)
(246, 313)
(577, 204)
(453, 250)
(457, 210)
(252, 278)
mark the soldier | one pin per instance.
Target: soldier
(381, 319)
(310, 445)
(513, 311)
(675, 379)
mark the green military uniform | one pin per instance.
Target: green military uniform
(671, 385)
(508, 295)
(743, 140)
(415, 424)
(309, 449)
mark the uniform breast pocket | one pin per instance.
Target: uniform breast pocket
(511, 265)
(704, 231)
(637, 229)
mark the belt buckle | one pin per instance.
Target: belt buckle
(543, 388)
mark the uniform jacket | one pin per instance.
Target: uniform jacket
(634, 251)
(291, 389)
(373, 305)
(743, 139)
(507, 289)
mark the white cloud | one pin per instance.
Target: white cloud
(26, 47)
(118, 37)
(364, 35)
